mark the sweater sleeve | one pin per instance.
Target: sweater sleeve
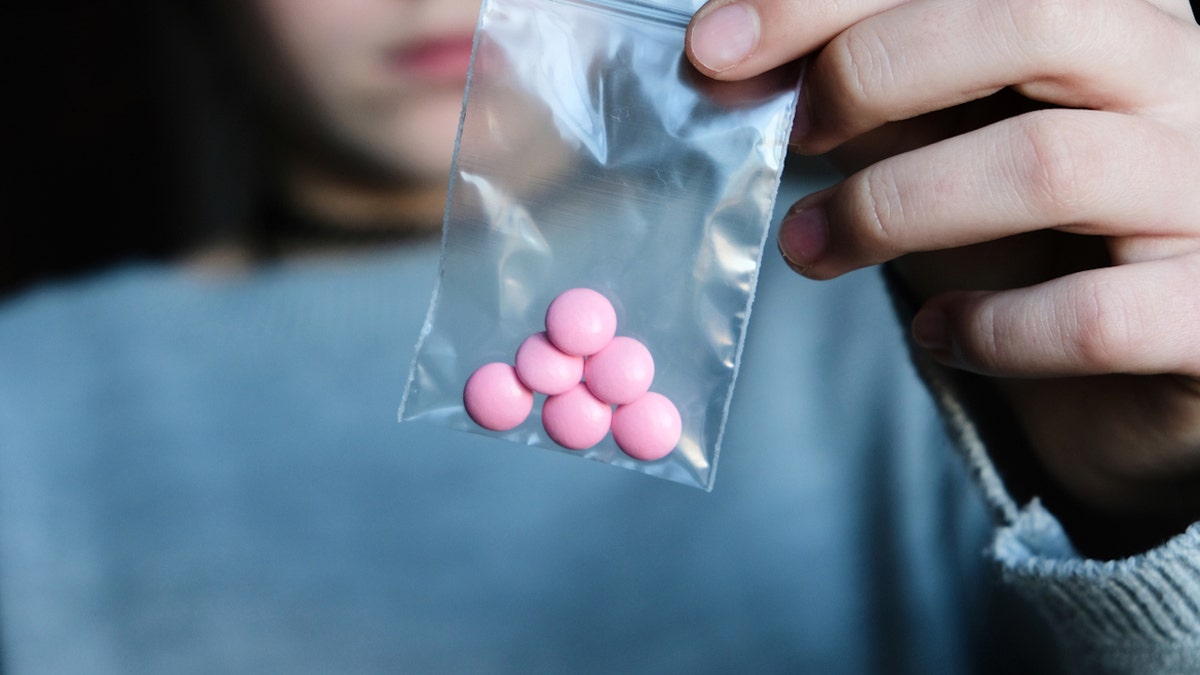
(1138, 614)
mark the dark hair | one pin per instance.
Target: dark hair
(129, 139)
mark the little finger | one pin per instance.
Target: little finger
(1133, 319)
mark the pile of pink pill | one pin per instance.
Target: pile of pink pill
(584, 368)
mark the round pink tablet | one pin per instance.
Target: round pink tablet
(545, 368)
(647, 429)
(581, 321)
(495, 397)
(621, 372)
(576, 420)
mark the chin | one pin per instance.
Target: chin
(422, 141)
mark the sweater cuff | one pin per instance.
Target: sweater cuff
(1135, 615)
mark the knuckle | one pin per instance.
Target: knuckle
(1053, 166)
(988, 341)
(1103, 329)
(859, 68)
(878, 212)
(1048, 28)
(1189, 314)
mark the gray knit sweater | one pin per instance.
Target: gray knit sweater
(204, 475)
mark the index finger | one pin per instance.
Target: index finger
(737, 39)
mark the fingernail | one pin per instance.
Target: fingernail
(725, 36)
(931, 330)
(803, 236)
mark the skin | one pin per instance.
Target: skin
(1028, 169)
(370, 122)
(375, 132)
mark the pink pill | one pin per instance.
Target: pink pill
(621, 372)
(581, 321)
(495, 397)
(545, 368)
(576, 420)
(647, 429)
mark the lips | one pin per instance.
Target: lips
(438, 59)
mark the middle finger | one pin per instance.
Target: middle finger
(929, 55)
(1080, 171)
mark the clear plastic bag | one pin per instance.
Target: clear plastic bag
(591, 154)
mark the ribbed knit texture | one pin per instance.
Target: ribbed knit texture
(1136, 615)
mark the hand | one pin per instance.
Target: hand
(1030, 168)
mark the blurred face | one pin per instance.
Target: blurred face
(383, 79)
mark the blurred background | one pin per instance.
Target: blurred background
(98, 153)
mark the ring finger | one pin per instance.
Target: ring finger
(1080, 171)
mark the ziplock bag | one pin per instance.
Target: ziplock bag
(591, 154)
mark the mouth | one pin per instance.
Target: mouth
(442, 59)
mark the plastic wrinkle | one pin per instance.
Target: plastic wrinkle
(592, 155)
